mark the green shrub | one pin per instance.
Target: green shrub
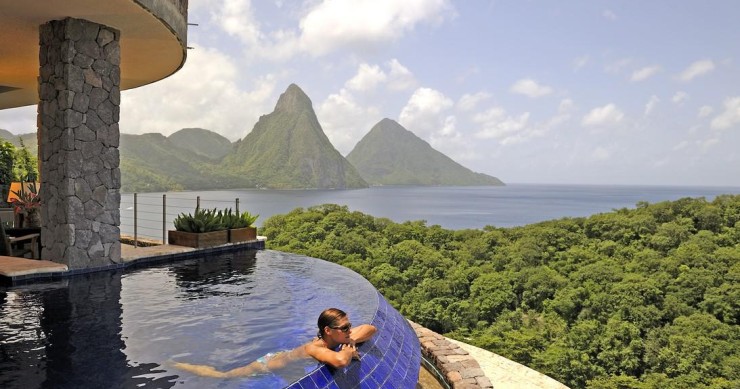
(204, 220)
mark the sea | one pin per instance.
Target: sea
(450, 207)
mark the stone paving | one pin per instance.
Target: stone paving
(469, 367)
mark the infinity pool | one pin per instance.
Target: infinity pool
(121, 329)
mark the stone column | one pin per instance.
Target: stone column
(78, 111)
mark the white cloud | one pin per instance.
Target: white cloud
(603, 116)
(530, 88)
(707, 144)
(697, 69)
(682, 145)
(326, 25)
(497, 124)
(730, 116)
(644, 73)
(344, 120)
(399, 77)
(367, 78)
(336, 23)
(652, 102)
(705, 111)
(565, 109)
(680, 97)
(609, 14)
(600, 154)
(19, 120)
(236, 18)
(424, 113)
(204, 93)
(618, 65)
(469, 102)
(580, 62)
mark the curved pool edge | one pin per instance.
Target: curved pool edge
(391, 359)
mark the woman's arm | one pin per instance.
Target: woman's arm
(362, 333)
(333, 358)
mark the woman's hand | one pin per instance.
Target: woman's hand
(351, 349)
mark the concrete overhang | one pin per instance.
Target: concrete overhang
(153, 40)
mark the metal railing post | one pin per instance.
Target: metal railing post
(237, 205)
(135, 224)
(197, 202)
(164, 219)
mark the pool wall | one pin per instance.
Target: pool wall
(391, 359)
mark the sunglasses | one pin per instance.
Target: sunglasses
(345, 328)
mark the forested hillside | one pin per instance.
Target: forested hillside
(391, 155)
(636, 298)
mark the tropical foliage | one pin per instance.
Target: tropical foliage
(16, 164)
(635, 298)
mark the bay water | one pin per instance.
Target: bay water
(450, 207)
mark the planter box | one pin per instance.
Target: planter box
(242, 234)
(197, 240)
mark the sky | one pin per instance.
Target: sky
(574, 92)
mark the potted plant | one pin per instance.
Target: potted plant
(240, 226)
(204, 228)
(26, 204)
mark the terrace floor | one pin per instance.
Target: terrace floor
(503, 373)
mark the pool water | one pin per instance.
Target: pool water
(121, 329)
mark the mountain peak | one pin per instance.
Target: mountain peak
(293, 99)
(392, 155)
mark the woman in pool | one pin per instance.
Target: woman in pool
(335, 333)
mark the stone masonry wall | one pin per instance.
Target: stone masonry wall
(460, 369)
(78, 114)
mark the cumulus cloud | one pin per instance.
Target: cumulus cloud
(18, 120)
(603, 116)
(428, 115)
(204, 93)
(327, 25)
(236, 18)
(618, 65)
(367, 78)
(652, 102)
(497, 124)
(399, 77)
(469, 102)
(680, 97)
(580, 62)
(424, 112)
(644, 73)
(344, 120)
(565, 110)
(347, 115)
(705, 111)
(530, 88)
(609, 14)
(730, 116)
(332, 24)
(697, 69)
(600, 154)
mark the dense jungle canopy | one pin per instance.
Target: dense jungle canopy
(636, 298)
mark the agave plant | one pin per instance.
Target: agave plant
(232, 220)
(247, 218)
(204, 220)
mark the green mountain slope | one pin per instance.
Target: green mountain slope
(151, 162)
(392, 155)
(287, 149)
(202, 142)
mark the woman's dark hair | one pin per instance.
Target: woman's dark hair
(328, 317)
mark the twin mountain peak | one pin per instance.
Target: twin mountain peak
(287, 149)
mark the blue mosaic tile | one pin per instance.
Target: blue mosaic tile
(390, 360)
